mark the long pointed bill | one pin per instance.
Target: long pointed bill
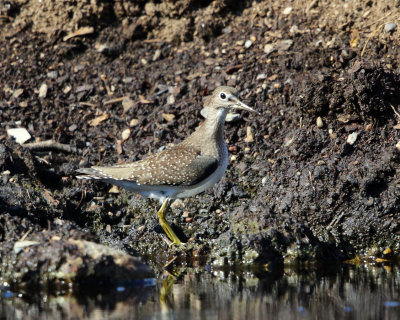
(241, 106)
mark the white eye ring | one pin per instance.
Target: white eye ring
(222, 96)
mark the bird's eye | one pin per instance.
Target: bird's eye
(222, 96)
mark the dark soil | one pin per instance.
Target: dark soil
(300, 192)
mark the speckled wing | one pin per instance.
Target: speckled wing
(176, 166)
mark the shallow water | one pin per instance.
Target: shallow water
(337, 292)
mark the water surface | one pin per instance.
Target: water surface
(336, 292)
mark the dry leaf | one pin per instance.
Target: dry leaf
(168, 117)
(142, 99)
(49, 198)
(119, 147)
(127, 103)
(249, 136)
(96, 121)
(80, 32)
(113, 189)
(18, 92)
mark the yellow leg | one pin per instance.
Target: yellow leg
(164, 224)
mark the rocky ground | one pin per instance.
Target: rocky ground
(314, 179)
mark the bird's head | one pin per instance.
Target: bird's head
(225, 98)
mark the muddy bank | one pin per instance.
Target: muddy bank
(314, 179)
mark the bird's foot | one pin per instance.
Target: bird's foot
(175, 241)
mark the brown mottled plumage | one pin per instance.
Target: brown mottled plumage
(180, 165)
(184, 170)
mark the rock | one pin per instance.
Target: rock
(287, 10)
(52, 74)
(294, 29)
(269, 48)
(157, 55)
(282, 45)
(20, 135)
(119, 267)
(249, 135)
(351, 139)
(248, 44)
(43, 90)
(134, 122)
(390, 27)
(171, 99)
(126, 134)
(261, 76)
(18, 92)
(320, 123)
(72, 127)
(177, 204)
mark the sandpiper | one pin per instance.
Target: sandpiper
(184, 170)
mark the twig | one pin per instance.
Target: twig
(376, 30)
(370, 37)
(49, 145)
(115, 100)
(396, 112)
(380, 19)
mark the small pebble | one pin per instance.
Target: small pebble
(248, 44)
(134, 122)
(287, 10)
(249, 135)
(18, 92)
(261, 76)
(294, 29)
(157, 55)
(269, 48)
(126, 134)
(320, 124)
(390, 27)
(52, 74)
(20, 135)
(127, 80)
(171, 99)
(43, 90)
(178, 203)
(72, 127)
(352, 138)
(398, 145)
(67, 89)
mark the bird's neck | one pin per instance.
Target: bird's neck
(210, 134)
